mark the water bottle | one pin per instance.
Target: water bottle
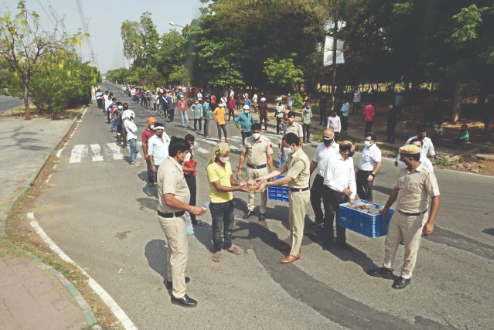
(205, 206)
(189, 229)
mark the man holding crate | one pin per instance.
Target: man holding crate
(412, 218)
(297, 166)
(259, 153)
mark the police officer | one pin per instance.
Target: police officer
(258, 150)
(412, 217)
(173, 195)
(297, 166)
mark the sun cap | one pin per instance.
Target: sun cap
(246, 107)
(410, 149)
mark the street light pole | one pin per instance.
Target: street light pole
(335, 36)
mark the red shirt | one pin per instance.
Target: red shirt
(182, 105)
(430, 103)
(369, 112)
(231, 104)
(145, 135)
(213, 99)
(190, 164)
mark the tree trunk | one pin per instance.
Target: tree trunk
(457, 101)
(27, 114)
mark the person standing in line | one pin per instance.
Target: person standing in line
(190, 170)
(369, 113)
(429, 109)
(356, 100)
(222, 186)
(231, 109)
(157, 147)
(412, 219)
(219, 116)
(280, 109)
(334, 123)
(289, 100)
(156, 101)
(262, 112)
(339, 187)
(399, 102)
(104, 99)
(161, 106)
(244, 122)
(114, 117)
(207, 116)
(99, 99)
(118, 122)
(428, 147)
(345, 111)
(323, 103)
(297, 177)
(393, 117)
(131, 129)
(197, 110)
(146, 134)
(182, 107)
(369, 165)
(173, 195)
(124, 130)
(259, 152)
(324, 152)
(306, 121)
(171, 107)
(110, 108)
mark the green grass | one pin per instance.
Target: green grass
(444, 161)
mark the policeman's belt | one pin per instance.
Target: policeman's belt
(412, 214)
(299, 190)
(257, 167)
(171, 215)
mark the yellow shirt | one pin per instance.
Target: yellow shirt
(220, 114)
(216, 173)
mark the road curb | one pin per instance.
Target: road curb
(37, 172)
(79, 299)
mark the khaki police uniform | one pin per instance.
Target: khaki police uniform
(256, 153)
(171, 181)
(410, 216)
(298, 168)
(296, 128)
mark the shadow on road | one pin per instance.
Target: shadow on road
(384, 190)
(156, 254)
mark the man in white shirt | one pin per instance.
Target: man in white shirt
(427, 146)
(254, 101)
(158, 145)
(369, 165)
(424, 160)
(289, 100)
(131, 129)
(339, 187)
(324, 152)
(356, 101)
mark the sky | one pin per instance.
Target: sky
(105, 18)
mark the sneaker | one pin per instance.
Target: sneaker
(133, 164)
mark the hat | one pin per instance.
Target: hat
(151, 120)
(410, 150)
(158, 126)
(246, 107)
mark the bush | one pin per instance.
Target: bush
(444, 161)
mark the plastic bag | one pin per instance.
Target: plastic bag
(189, 229)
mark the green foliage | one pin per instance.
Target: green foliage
(444, 161)
(298, 101)
(283, 72)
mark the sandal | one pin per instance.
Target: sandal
(216, 258)
(234, 251)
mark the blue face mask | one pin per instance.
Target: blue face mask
(327, 141)
(351, 153)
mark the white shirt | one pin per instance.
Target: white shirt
(427, 147)
(131, 128)
(323, 155)
(370, 156)
(427, 163)
(158, 148)
(356, 97)
(254, 98)
(340, 174)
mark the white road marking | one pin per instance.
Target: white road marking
(139, 148)
(199, 149)
(97, 156)
(49, 176)
(79, 151)
(115, 308)
(115, 150)
(235, 137)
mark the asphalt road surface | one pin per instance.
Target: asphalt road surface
(9, 102)
(100, 211)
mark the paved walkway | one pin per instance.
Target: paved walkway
(31, 298)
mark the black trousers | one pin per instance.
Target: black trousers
(231, 113)
(364, 187)
(191, 182)
(331, 200)
(245, 135)
(278, 123)
(306, 131)
(100, 103)
(356, 107)
(368, 126)
(391, 131)
(429, 115)
(316, 192)
(344, 123)
(265, 118)
(322, 116)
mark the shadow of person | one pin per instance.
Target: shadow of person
(384, 190)
(156, 254)
(204, 235)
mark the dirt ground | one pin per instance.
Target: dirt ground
(472, 164)
(19, 113)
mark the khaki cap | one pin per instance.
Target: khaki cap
(409, 150)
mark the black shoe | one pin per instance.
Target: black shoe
(327, 246)
(401, 283)
(248, 214)
(262, 217)
(185, 301)
(169, 284)
(381, 272)
(316, 225)
(344, 246)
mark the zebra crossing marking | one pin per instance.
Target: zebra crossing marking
(115, 151)
(78, 151)
(97, 155)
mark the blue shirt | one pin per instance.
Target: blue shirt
(205, 108)
(197, 109)
(399, 100)
(247, 102)
(111, 105)
(245, 120)
(345, 109)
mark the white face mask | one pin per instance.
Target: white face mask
(224, 160)
(246, 111)
(288, 151)
(187, 158)
(256, 136)
(367, 143)
(120, 107)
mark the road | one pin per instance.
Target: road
(9, 102)
(99, 210)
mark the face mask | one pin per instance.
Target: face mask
(151, 127)
(327, 141)
(224, 160)
(367, 143)
(256, 136)
(120, 107)
(159, 134)
(391, 107)
(288, 151)
(291, 120)
(187, 158)
(351, 153)
(246, 111)
(289, 94)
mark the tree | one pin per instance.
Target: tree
(23, 44)
(283, 72)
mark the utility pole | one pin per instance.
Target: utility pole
(335, 36)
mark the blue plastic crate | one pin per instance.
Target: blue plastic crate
(363, 223)
(278, 193)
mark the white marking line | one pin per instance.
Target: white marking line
(199, 149)
(115, 151)
(213, 143)
(97, 156)
(117, 311)
(59, 152)
(235, 137)
(79, 151)
(49, 176)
